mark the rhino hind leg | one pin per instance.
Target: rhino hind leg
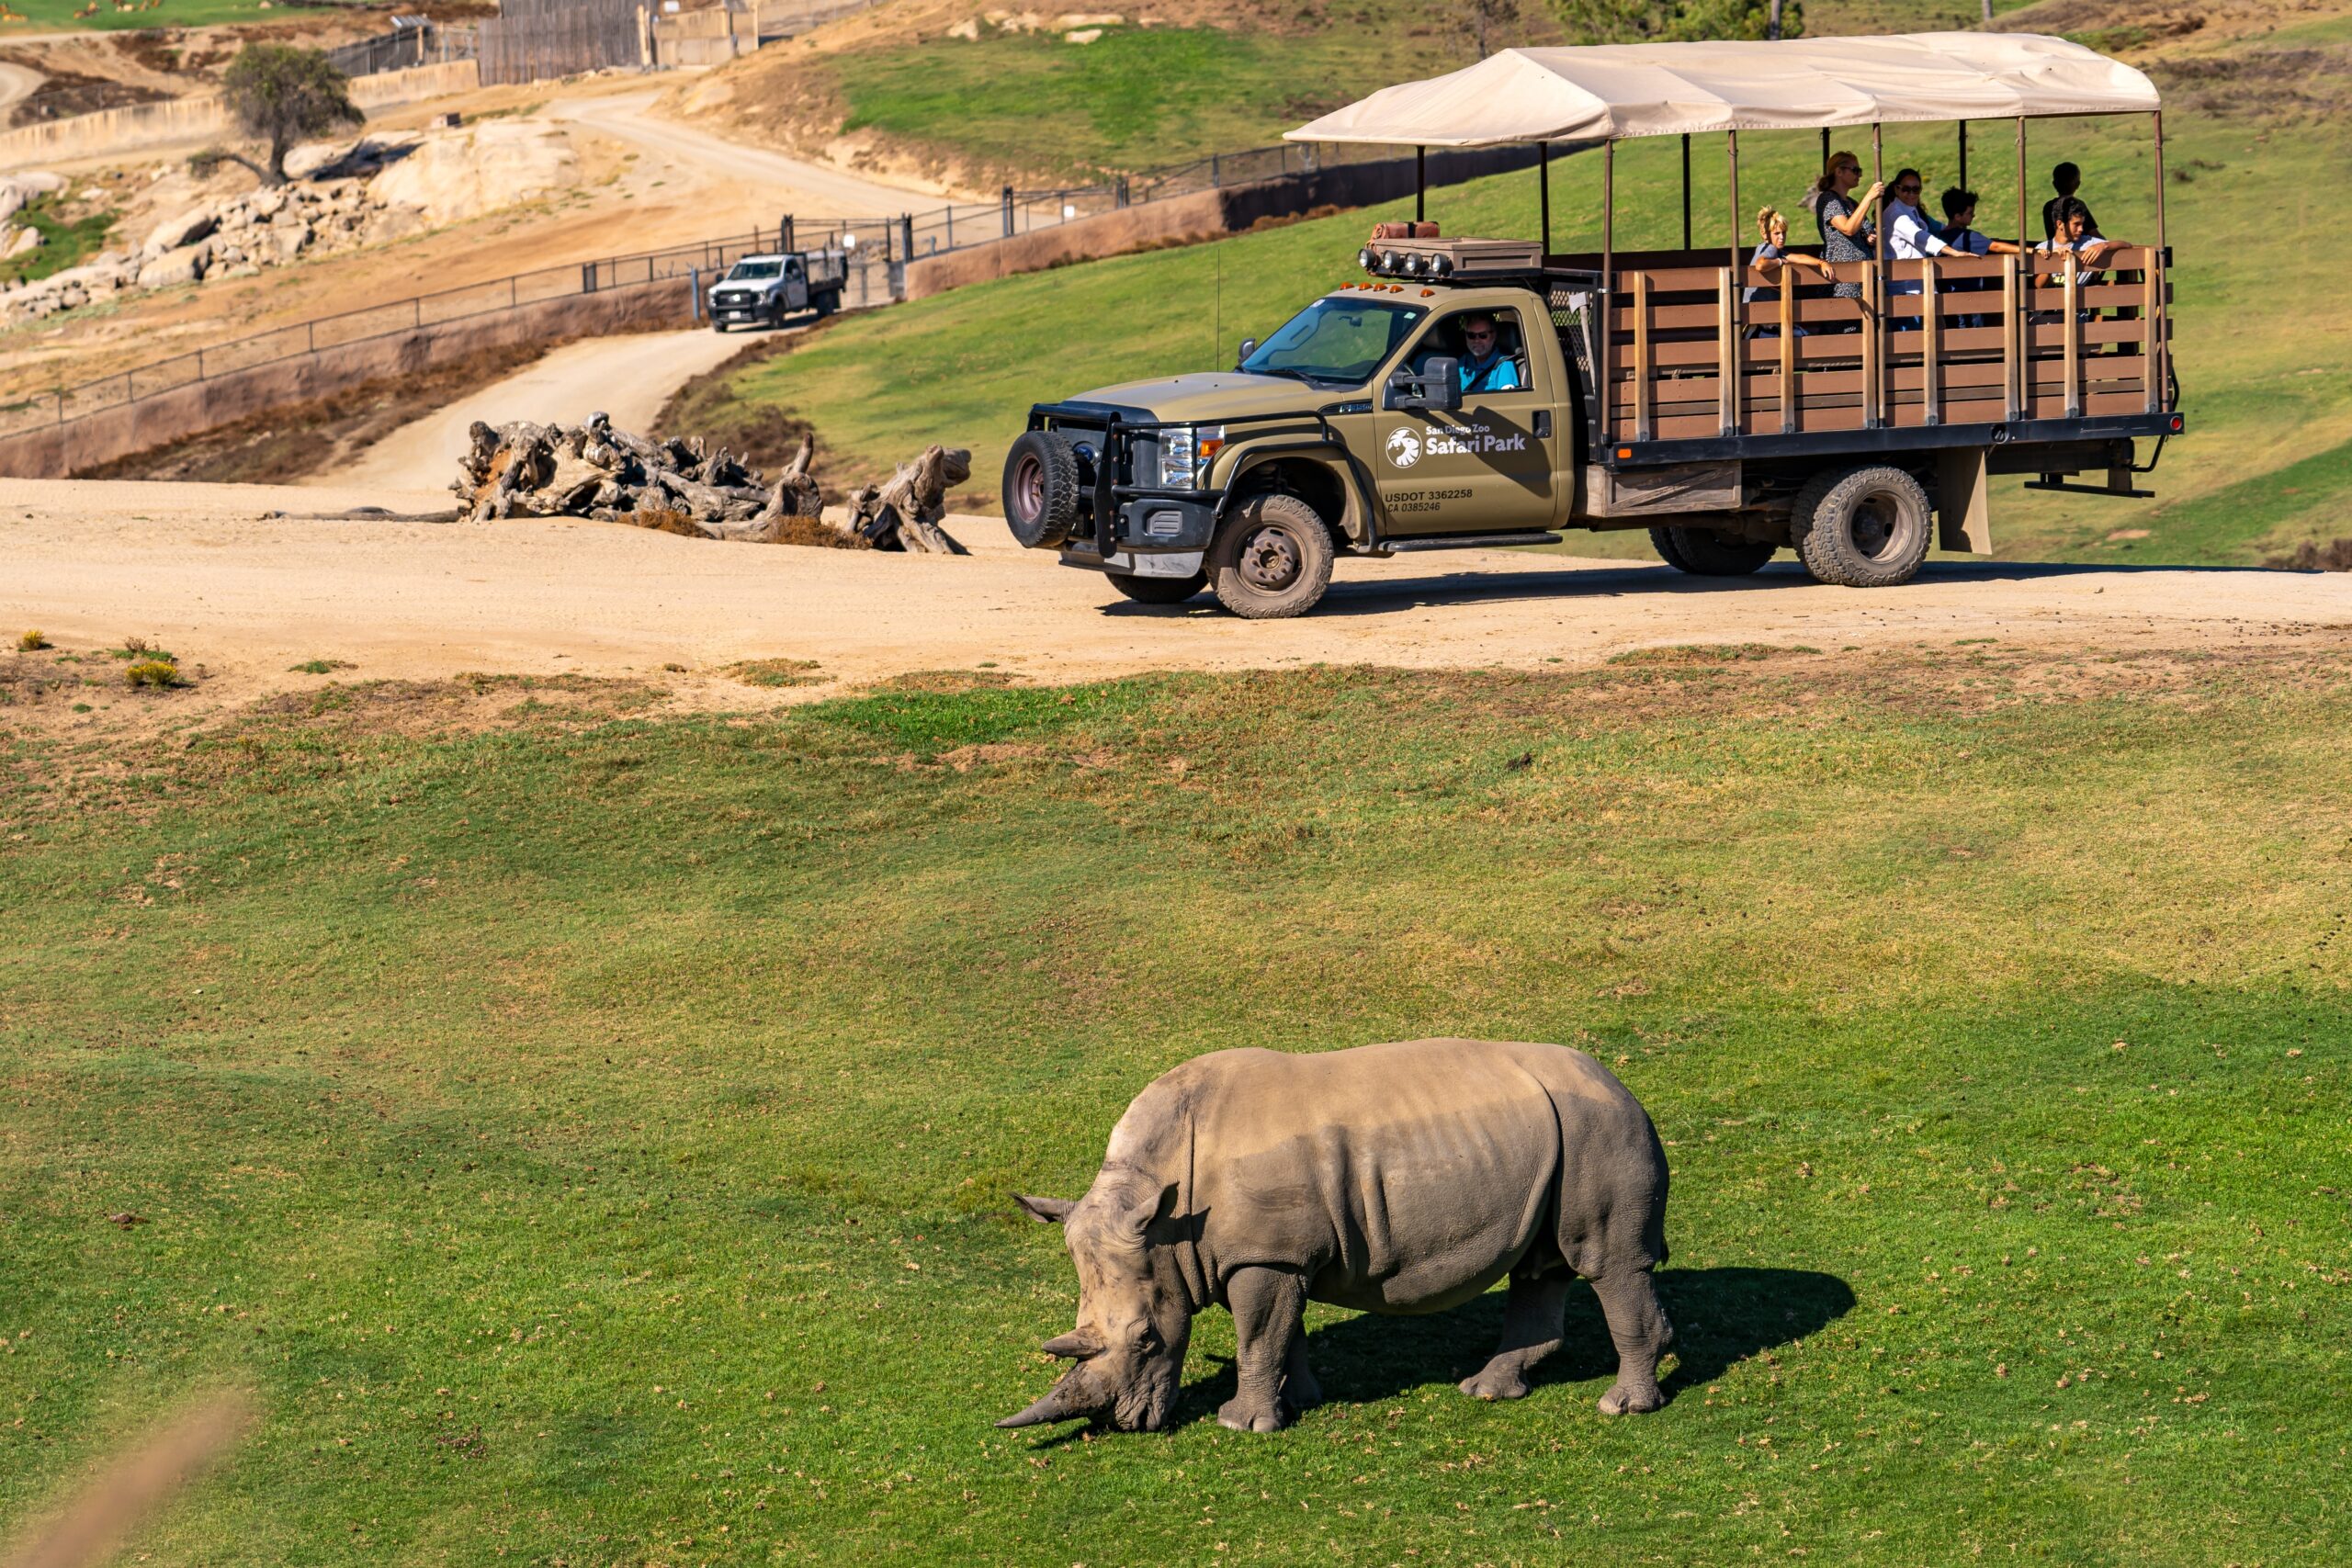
(1535, 1322)
(1638, 1324)
(1269, 1307)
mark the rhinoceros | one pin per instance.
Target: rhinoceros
(1402, 1178)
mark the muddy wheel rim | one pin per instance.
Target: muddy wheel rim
(1874, 525)
(1029, 487)
(1270, 560)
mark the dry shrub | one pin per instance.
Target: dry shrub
(2312, 555)
(816, 531)
(158, 673)
(666, 520)
(31, 641)
(775, 672)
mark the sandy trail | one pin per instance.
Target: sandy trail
(822, 190)
(627, 378)
(201, 569)
(18, 82)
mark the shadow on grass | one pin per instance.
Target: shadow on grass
(1383, 596)
(1720, 1317)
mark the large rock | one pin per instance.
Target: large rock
(290, 238)
(24, 240)
(480, 169)
(173, 268)
(180, 229)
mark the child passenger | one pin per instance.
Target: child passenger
(1773, 259)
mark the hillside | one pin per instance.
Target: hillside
(2262, 314)
(980, 96)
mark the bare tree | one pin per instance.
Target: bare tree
(1487, 25)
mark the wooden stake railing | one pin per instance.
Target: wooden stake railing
(1640, 356)
(1788, 351)
(2012, 341)
(1728, 355)
(2151, 336)
(2074, 338)
(1930, 346)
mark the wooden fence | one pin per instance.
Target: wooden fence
(529, 40)
(1955, 339)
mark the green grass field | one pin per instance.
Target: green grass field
(2260, 318)
(61, 16)
(589, 1136)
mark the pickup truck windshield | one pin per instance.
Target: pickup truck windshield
(752, 269)
(1339, 340)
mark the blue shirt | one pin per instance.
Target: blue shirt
(1495, 373)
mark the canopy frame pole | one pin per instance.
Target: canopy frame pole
(1544, 186)
(2160, 272)
(1875, 402)
(1608, 356)
(1686, 191)
(1420, 182)
(1963, 180)
(2021, 362)
(1734, 349)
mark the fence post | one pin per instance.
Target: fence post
(587, 278)
(694, 295)
(199, 365)
(906, 236)
(950, 225)
(419, 312)
(310, 336)
(1008, 213)
(1215, 172)
(783, 233)
(512, 299)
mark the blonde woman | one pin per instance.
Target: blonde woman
(1846, 234)
(1773, 259)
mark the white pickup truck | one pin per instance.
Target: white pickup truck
(768, 288)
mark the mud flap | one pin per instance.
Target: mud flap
(1963, 514)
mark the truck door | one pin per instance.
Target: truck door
(795, 285)
(1487, 468)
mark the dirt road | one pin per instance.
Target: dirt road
(627, 378)
(820, 189)
(199, 567)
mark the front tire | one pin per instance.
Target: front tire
(1272, 559)
(1158, 589)
(1865, 527)
(717, 325)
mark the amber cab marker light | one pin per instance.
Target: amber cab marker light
(1624, 451)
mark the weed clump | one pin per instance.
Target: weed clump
(158, 674)
(2312, 555)
(319, 666)
(31, 641)
(774, 671)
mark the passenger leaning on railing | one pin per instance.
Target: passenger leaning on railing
(1773, 259)
(1846, 231)
(1959, 233)
(1908, 236)
(2078, 235)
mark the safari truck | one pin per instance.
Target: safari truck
(770, 287)
(1645, 388)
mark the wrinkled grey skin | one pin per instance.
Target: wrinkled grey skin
(1404, 1178)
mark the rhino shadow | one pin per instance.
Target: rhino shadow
(1720, 1317)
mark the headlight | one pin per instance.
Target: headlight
(1186, 454)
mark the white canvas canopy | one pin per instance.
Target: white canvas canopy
(1613, 92)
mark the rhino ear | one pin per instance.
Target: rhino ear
(1149, 1206)
(1077, 1345)
(1045, 1211)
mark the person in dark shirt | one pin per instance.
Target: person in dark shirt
(2065, 179)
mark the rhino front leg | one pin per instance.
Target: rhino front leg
(1300, 1389)
(1269, 1307)
(1638, 1324)
(1534, 1314)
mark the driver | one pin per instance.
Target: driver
(1484, 367)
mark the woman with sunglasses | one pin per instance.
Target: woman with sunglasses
(1846, 234)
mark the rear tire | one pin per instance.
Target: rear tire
(1272, 559)
(1041, 483)
(826, 303)
(1866, 527)
(1669, 548)
(1158, 589)
(1702, 552)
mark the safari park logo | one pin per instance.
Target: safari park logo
(1404, 448)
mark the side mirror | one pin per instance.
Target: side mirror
(1437, 388)
(1249, 347)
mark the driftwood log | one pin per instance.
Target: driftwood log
(596, 472)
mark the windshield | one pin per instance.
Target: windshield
(1339, 340)
(755, 269)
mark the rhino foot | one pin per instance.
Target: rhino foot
(1243, 1415)
(1622, 1400)
(1497, 1381)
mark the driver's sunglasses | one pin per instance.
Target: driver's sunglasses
(1475, 335)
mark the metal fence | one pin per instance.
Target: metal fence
(872, 279)
(426, 43)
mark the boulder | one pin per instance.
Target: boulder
(267, 203)
(14, 243)
(458, 176)
(179, 229)
(290, 238)
(185, 263)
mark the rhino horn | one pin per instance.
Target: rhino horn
(1054, 1406)
(1077, 1345)
(1045, 1210)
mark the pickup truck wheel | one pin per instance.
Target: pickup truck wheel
(717, 325)
(826, 303)
(1862, 528)
(1041, 489)
(1669, 548)
(1272, 559)
(1158, 589)
(1704, 552)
